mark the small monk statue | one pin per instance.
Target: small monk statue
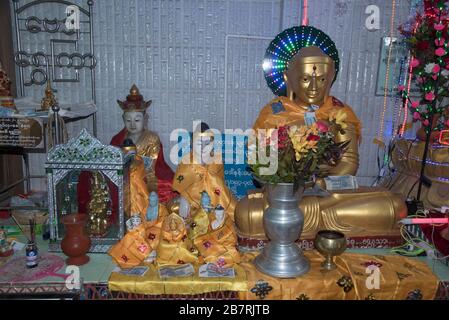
(303, 84)
(218, 244)
(194, 174)
(175, 247)
(200, 221)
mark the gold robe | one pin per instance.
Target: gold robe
(138, 188)
(218, 246)
(149, 146)
(175, 247)
(191, 179)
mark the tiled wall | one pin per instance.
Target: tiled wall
(200, 59)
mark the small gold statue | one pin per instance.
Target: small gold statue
(6, 99)
(98, 206)
(49, 100)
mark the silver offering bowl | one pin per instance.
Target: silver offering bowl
(330, 243)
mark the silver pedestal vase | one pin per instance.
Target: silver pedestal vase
(283, 222)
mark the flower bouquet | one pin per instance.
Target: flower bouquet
(302, 150)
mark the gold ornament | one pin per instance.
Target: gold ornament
(98, 207)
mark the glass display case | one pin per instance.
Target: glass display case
(84, 163)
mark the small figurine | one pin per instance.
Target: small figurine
(5, 247)
(49, 100)
(219, 217)
(153, 208)
(206, 202)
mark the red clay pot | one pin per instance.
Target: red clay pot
(75, 243)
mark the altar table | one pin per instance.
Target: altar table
(400, 278)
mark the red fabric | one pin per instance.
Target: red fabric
(440, 243)
(164, 176)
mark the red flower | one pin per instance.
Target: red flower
(430, 96)
(322, 126)
(217, 191)
(282, 137)
(440, 52)
(313, 137)
(180, 262)
(124, 258)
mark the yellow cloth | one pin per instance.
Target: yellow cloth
(150, 283)
(137, 244)
(138, 187)
(400, 277)
(191, 179)
(175, 247)
(219, 246)
(294, 114)
(199, 225)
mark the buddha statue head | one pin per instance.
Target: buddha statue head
(301, 63)
(309, 76)
(135, 116)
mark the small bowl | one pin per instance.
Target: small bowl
(330, 243)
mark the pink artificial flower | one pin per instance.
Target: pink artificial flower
(447, 122)
(414, 62)
(420, 80)
(436, 68)
(322, 126)
(415, 104)
(439, 43)
(438, 27)
(426, 122)
(401, 88)
(434, 77)
(430, 96)
(440, 52)
(416, 116)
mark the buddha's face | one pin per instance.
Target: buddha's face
(134, 121)
(309, 77)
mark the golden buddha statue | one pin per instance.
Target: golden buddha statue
(305, 78)
(158, 175)
(98, 206)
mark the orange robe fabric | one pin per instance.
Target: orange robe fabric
(292, 114)
(192, 179)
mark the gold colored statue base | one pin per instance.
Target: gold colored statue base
(356, 213)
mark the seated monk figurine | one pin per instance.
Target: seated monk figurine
(175, 247)
(158, 174)
(195, 174)
(142, 239)
(303, 84)
(218, 244)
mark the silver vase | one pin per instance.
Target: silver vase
(283, 222)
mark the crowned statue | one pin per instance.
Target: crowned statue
(301, 78)
(158, 174)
